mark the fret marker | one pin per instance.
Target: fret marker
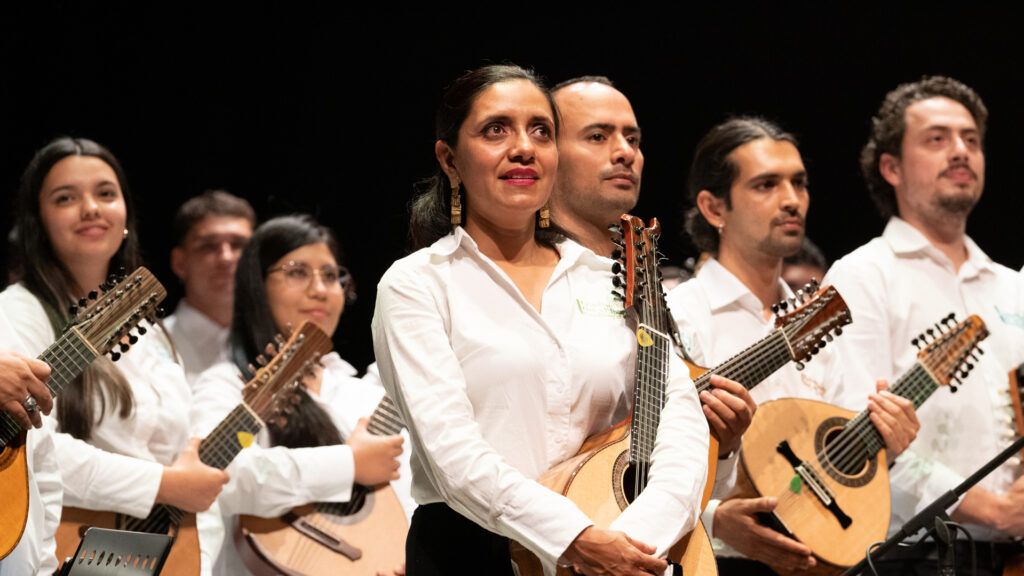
(245, 439)
(643, 338)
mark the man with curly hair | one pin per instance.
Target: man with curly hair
(924, 163)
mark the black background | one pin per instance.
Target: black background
(329, 110)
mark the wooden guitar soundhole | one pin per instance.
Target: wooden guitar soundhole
(849, 463)
(622, 474)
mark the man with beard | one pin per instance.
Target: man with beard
(211, 230)
(749, 188)
(925, 168)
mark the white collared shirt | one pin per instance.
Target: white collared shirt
(36, 551)
(495, 393)
(200, 341)
(121, 466)
(897, 286)
(718, 317)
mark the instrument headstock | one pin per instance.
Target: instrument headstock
(948, 348)
(811, 319)
(272, 390)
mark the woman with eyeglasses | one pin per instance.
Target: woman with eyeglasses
(289, 273)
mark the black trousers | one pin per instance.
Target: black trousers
(443, 542)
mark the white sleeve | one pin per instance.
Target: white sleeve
(99, 480)
(268, 481)
(669, 506)
(46, 474)
(423, 376)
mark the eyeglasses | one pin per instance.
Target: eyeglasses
(300, 274)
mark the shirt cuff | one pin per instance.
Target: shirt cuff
(708, 517)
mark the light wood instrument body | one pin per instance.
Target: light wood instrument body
(184, 557)
(766, 472)
(593, 479)
(363, 536)
(14, 479)
(373, 535)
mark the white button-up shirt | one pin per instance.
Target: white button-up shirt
(200, 341)
(495, 393)
(35, 552)
(271, 481)
(897, 286)
(718, 317)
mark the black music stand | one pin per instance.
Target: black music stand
(104, 552)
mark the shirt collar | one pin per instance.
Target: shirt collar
(723, 288)
(904, 239)
(569, 252)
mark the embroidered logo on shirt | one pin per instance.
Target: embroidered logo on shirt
(610, 308)
(1010, 318)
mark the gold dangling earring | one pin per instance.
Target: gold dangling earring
(456, 205)
(545, 217)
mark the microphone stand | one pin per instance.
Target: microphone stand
(935, 514)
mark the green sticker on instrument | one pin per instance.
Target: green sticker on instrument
(796, 484)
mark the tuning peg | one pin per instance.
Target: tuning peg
(980, 350)
(160, 312)
(775, 309)
(616, 281)
(616, 254)
(82, 302)
(142, 330)
(73, 310)
(828, 336)
(132, 338)
(799, 296)
(270, 349)
(615, 228)
(931, 333)
(784, 305)
(838, 331)
(618, 296)
(251, 368)
(125, 347)
(261, 360)
(115, 356)
(813, 285)
(953, 388)
(799, 365)
(616, 268)
(93, 295)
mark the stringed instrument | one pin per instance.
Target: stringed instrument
(827, 466)
(268, 395)
(104, 322)
(817, 314)
(358, 537)
(610, 470)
